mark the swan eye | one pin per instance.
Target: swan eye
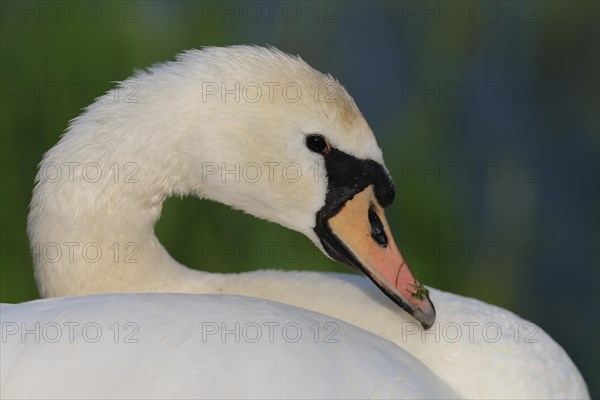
(318, 144)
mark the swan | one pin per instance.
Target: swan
(188, 125)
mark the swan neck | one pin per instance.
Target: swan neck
(98, 194)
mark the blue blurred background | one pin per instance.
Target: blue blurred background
(487, 114)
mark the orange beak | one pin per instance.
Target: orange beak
(359, 235)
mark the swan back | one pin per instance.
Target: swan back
(200, 346)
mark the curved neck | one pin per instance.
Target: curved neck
(98, 194)
(100, 190)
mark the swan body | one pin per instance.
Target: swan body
(120, 342)
(169, 327)
(180, 134)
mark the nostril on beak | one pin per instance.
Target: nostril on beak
(377, 231)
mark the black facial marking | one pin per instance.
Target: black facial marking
(348, 175)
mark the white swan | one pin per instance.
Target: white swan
(186, 124)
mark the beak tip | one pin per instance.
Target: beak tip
(427, 316)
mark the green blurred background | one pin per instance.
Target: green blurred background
(487, 114)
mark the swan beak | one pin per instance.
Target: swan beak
(362, 238)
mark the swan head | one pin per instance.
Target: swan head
(251, 127)
(287, 143)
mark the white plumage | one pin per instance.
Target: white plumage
(170, 133)
(189, 346)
